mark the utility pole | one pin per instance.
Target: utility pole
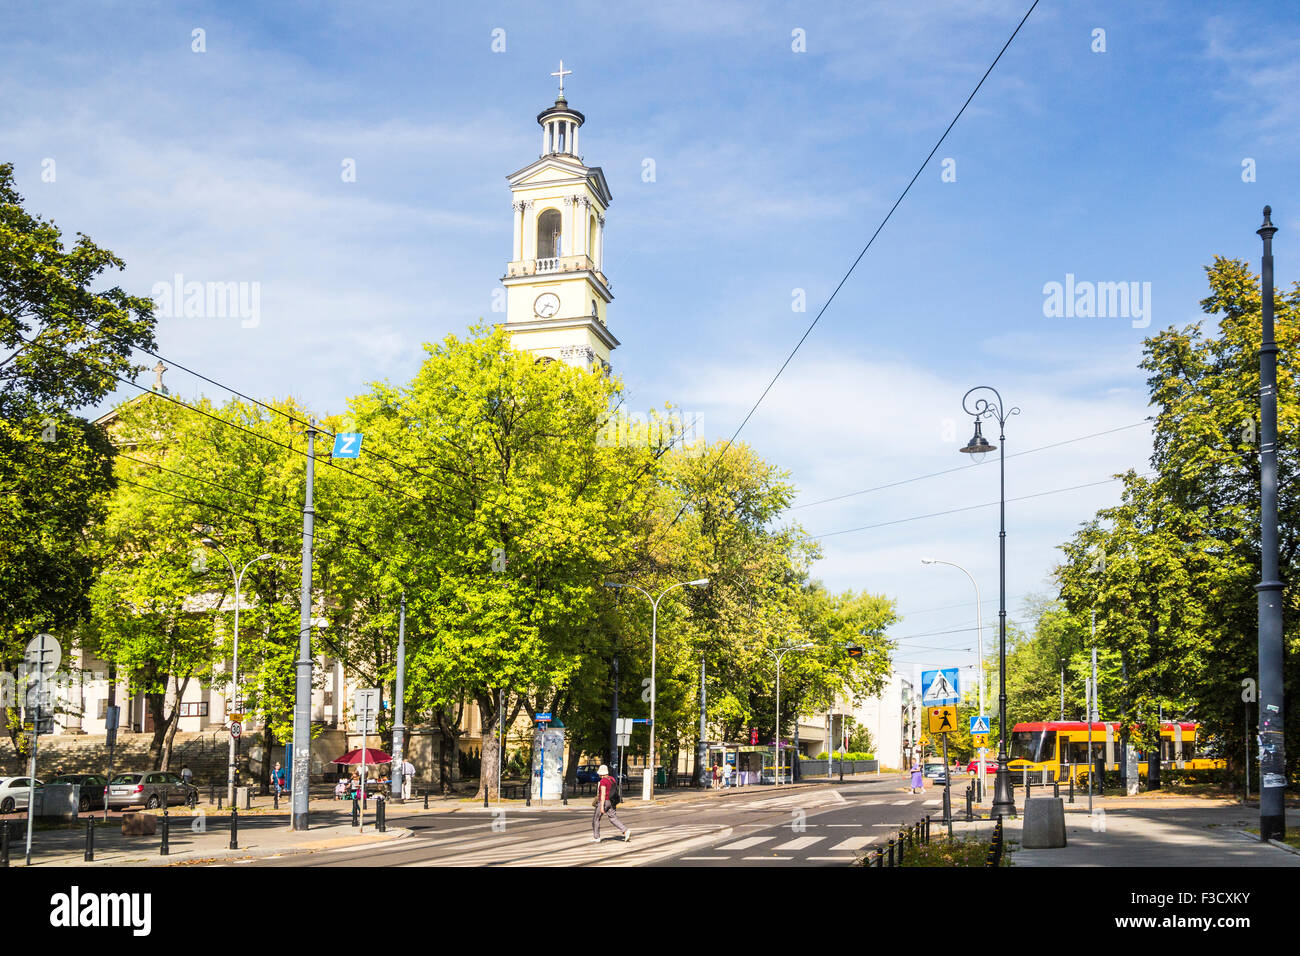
(1062, 688)
(1272, 748)
(701, 751)
(301, 774)
(399, 707)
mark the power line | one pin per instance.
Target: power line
(1149, 420)
(870, 242)
(987, 504)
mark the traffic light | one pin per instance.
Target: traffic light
(854, 651)
(753, 736)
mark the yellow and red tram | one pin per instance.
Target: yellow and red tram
(1058, 749)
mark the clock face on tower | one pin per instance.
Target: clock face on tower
(546, 305)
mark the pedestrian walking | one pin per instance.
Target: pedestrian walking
(607, 798)
(277, 779)
(918, 782)
(726, 774)
(187, 774)
(408, 778)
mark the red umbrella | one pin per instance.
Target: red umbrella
(364, 755)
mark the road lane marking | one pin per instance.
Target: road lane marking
(832, 859)
(704, 858)
(745, 844)
(852, 843)
(900, 803)
(932, 803)
(767, 858)
(844, 824)
(799, 843)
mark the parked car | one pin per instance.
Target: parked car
(13, 793)
(92, 789)
(990, 766)
(934, 770)
(149, 790)
(587, 773)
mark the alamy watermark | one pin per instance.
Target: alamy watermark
(657, 430)
(209, 300)
(1098, 300)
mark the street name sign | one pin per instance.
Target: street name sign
(347, 445)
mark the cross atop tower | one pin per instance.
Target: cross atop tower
(562, 73)
(158, 374)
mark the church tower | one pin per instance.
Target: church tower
(557, 294)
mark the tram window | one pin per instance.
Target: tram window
(1036, 746)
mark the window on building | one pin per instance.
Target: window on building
(329, 698)
(548, 234)
(198, 708)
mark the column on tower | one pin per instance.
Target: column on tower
(516, 246)
(600, 243)
(530, 231)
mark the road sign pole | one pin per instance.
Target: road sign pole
(947, 788)
(399, 728)
(301, 773)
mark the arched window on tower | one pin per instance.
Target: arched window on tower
(548, 235)
(591, 238)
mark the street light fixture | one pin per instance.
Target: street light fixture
(234, 666)
(1003, 801)
(647, 779)
(778, 654)
(979, 634)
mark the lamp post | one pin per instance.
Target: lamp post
(978, 446)
(979, 637)
(778, 654)
(647, 779)
(1272, 747)
(234, 665)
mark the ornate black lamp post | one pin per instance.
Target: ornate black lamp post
(1004, 803)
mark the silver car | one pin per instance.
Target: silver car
(14, 792)
(149, 789)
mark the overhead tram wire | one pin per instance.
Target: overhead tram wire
(897, 202)
(951, 511)
(292, 418)
(1149, 420)
(280, 505)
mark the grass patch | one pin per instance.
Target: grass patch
(1292, 839)
(941, 851)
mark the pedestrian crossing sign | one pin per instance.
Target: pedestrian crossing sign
(979, 725)
(939, 687)
(943, 720)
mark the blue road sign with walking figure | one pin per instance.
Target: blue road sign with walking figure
(979, 725)
(939, 687)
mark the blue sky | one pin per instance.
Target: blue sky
(772, 168)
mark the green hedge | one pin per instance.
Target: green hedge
(851, 755)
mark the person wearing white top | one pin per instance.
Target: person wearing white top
(726, 775)
(408, 775)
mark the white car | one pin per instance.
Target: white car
(14, 792)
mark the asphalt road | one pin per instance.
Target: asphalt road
(821, 825)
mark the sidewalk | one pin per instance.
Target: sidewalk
(260, 835)
(1129, 831)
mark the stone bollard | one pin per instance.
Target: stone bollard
(234, 828)
(90, 840)
(1044, 826)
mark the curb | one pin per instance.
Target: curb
(1282, 846)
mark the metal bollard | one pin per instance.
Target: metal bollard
(485, 797)
(1029, 791)
(426, 799)
(356, 812)
(1072, 788)
(165, 849)
(528, 794)
(970, 804)
(927, 828)
(381, 817)
(880, 857)
(90, 840)
(234, 828)
(212, 794)
(947, 806)
(220, 799)
(891, 853)
(1056, 788)
(4, 842)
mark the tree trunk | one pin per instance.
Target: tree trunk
(157, 708)
(490, 752)
(173, 724)
(264, 775)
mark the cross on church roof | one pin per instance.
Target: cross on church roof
(158, 374)
(562, 73)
